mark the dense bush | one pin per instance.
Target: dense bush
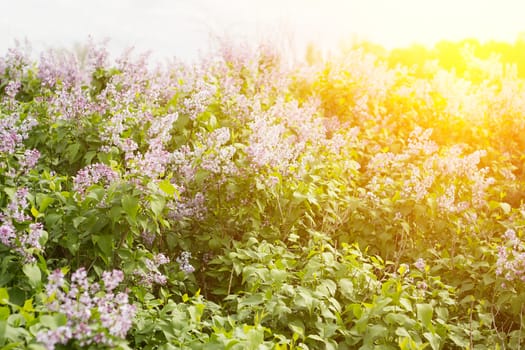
(242, 203)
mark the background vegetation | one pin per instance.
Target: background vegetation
(372, 200)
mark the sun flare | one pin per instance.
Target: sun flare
(405, 22)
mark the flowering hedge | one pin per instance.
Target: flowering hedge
(241, 202)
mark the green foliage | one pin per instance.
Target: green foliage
(367, 202)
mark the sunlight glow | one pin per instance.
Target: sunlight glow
(405, 22)
(187, 27)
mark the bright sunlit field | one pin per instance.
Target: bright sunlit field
(353, 178)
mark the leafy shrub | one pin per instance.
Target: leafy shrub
(239, 202)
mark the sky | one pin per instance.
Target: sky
(188, 28)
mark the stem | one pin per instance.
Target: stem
(230, 282)
(470, 325)
(521, 326)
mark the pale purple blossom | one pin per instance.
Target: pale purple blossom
(184, 262)
(511, 258)
(12, 88)
(420, 264)
(30, 159)
(7, 234)
(148, 238)
(93, 174)
(151, 275)
(188, 207)
(95, 315)
(197, 102)
(13, 131)
(112, 279)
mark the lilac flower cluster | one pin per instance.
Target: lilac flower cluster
(59, 67)
(216, 156)
(16, 61)
(13, 131)
(284, 132)
(93, 174)
(70, 104)
(511, 258)
(24, 241)
(188, 207)
(445, 174)
(151, 275)
(197, 90)
(154, 162)
(69, 69)
(182, 162)
(12, 89)
(198, 102)
(184, 262)
(96, 313)
(29, 160)
(270, 146)
(420, 264)
(148, 238)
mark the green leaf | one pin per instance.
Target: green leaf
(374, 332)
(72, 152)
(130, 204)
(346, 286)
(78, 220)
(254, 299)
(157, 205)
(167, 187)
(327, 288)
(43, 201)
(424, 314)
(105, 243)
(459, 339)
(54, 321)
(505, 207)
(399, 319)
(32, 271)
(4, 296)
(402, 332)
(297, 326)
(433, 339)
(36, 214)
(318, 338)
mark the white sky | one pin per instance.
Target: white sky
(183, 28)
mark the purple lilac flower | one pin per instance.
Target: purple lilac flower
(12, 88)
(7, 234)
(420, 264)
(93, 174)
(31, 157)
(151, 275)
(112, 279)
(148, 238)
(16, 207)
(184, 208)
(511, 258)
(184, 262)
(72, 103)
(13, 131)
(60, 67)
(198, 102)
(95, 315)
(32, 239)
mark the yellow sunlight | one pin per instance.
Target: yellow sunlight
(405, 22)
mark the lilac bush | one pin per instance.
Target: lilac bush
(229, 191)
